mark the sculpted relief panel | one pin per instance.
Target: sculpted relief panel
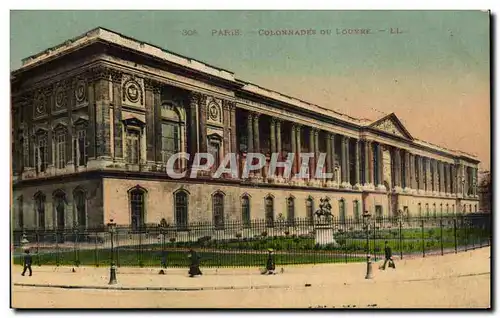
(389, 126)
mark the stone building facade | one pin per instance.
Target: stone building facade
(96, 118)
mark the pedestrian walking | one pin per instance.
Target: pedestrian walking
(270, 264)
(27, 262)
(388, 257)
(194, 267)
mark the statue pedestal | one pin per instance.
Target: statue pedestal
(324, 234)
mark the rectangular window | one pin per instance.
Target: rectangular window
(169, 140)
(81, 152)
(61, 149)
(133, 148)
(214, 150)
(378, 212)
(356, 211)
(41, 154)
(342, 212)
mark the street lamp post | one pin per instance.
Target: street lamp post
(369, 269)
(162, 226)
(112, 269)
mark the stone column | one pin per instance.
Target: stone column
(234, 145)
(453, 179)
(272, 136)
(250, 133)
(226, 114)
(397, 169)
(367, 164)
(348, 161)
(421, 173)
(476, 181)
(428, 185)
(407, 172)
(380, 163)
(294, 148)
(334, 161)
(192, 125)
(278, 136)
(256, 136)
(460, 180)
(312, 165)
(446, 178)
(316, 150)
(343, 175)
(329, 161)
(203, 123)
(412, 175)
(278, 143)
(442, 177)
(357, 182)
(436, 178)
(298, 135)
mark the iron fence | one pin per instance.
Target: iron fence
(238, 243)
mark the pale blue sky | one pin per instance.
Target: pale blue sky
(437, 69)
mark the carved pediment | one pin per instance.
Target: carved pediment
(392, 125)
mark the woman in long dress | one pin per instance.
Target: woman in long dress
(194, 267)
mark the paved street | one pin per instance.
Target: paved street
(455, 280)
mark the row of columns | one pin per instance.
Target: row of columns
(411, 172)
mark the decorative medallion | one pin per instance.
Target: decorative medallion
(132, 91)
(39, 104)
(80, 91)
(213, 111)
(60, 97)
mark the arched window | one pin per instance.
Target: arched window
(245, 210)
(269, 204)
(59, 207)
(475, 208)
(342, 211)
(137, 208)
(80, 198)
(181, 200)
(310, 209)
(434, 210)
(40, 209)
(420, 210)
(290, 210)
(453, 208)
(218, 210)
(447, 209)
(355, 210)
(441, 209)
(427, 211)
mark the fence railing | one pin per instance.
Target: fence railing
(239, 243)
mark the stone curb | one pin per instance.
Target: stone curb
(151, 288)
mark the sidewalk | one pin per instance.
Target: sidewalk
(468, 263)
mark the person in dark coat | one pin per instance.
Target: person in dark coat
(194, 267)
(388, 257)
(270, 265)
(27, 263)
